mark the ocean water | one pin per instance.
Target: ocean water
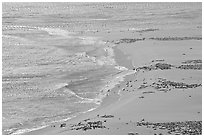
(52, 71)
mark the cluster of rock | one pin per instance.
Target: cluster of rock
(88, 125)
(143, 86)
(158, 60)
(129, 40)
(176, 38)
(148, 92)
(161, 66)
(178, 128)
(146, 30)
(189, 66)
(164, 84)
(126, 40)
(192, 61)
(107, 116)
(133, 133)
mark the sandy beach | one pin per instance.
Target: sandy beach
(158, 93)
(151, 79)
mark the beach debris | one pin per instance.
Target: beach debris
(177, 128)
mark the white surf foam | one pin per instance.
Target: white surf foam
(21, 131)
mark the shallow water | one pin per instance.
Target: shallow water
(53, 71)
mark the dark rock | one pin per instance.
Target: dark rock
(107, 116)
(63, 125)
(132, 133)
(86, 119)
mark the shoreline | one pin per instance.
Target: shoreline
(118, 78)
(123, 95)
(124, 98)
(110, 98)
